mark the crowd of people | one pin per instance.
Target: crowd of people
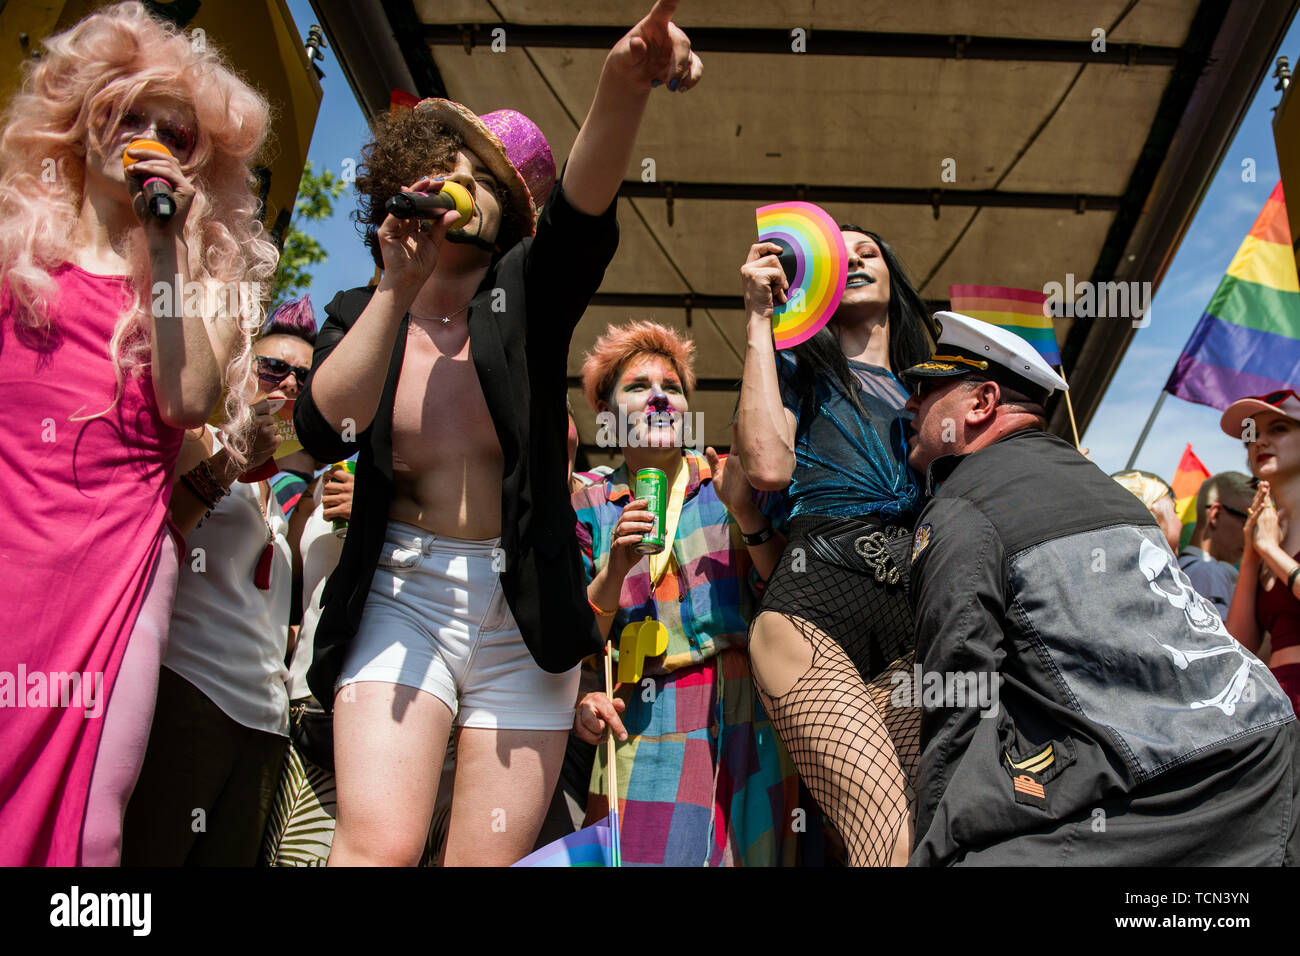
(902, 623)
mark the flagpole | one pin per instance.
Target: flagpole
(1069, 407)
(1146, 429)
(611, 770)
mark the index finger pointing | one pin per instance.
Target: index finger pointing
(663, 11)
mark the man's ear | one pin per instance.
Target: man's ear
(984, 398)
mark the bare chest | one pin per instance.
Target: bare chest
(440, 418)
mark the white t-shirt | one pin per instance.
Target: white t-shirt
(228, 637)
(320, 550)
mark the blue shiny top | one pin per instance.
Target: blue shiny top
(844, 464)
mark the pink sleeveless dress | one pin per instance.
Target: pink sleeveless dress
(83, 510)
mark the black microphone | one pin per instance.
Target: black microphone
(158, 195)
(429, 205)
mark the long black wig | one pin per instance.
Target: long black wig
(911, 338)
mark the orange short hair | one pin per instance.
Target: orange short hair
(622, 343)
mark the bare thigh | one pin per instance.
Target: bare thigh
(504, 783)
(389, 743)
(779, 654)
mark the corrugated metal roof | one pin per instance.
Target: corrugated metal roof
(1065, 159)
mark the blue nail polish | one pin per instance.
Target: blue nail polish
(654, 83)
(672, 84)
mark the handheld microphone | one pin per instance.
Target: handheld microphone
(157, 191)
(428, 205)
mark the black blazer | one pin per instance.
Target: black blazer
(521, 356)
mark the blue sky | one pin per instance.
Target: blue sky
(1222, 221)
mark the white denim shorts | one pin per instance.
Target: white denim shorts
(437, 620)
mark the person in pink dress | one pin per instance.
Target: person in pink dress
(118, 329)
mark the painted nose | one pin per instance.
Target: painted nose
(659, 400)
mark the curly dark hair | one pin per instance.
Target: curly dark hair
(406, 146)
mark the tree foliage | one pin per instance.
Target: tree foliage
(316, 195)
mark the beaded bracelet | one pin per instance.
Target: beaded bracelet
(198, 493)
(205, 484)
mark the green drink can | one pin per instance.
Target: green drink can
(652, 485)
(340, 525)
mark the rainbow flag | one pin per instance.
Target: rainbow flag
(1248, 340)
(1189, 477)
(596, 845)
(1022, 311)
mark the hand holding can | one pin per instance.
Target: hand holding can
(336, 501)
(651, 485)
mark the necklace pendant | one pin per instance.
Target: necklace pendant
(446, 320)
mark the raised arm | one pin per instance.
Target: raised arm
(347, 384)
(1260, 534)
(765, 428)
(190, 350)
(654, 52)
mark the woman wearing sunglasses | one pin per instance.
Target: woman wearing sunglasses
(221, 726)
(1267, 587)
(100, 374)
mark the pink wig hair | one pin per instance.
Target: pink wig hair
(621, 344)
(73, 98)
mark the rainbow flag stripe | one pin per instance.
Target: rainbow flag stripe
(1247, 342)
(1189, 477)
(596, 845)
(1021, 311)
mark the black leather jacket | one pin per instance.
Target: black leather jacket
(1121, 696)
(521, 356)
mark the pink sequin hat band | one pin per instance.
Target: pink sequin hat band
(513, 148)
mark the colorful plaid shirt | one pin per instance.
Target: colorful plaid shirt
(708, 594)
(703, 775)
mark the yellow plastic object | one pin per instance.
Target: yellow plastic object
(639, 640)
(464, 203)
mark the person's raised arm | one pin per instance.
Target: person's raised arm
(346, 386)
(654, 52)
(1241, 622)
(189, 352)
(765, 428)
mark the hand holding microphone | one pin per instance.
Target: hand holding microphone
(418, 220)
(421, 205)
(160, 194)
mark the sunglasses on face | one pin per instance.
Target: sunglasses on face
(272, 371)
(178, 138)
(922, 387)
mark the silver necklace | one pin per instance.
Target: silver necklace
(445, 320)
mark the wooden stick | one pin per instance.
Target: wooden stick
(610, 752)
(609, 735)
(1069, 407)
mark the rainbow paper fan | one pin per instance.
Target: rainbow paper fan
(816, 266)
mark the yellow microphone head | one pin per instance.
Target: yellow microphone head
(464, 203)
(129, 161)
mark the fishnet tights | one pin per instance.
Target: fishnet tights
(856, 753)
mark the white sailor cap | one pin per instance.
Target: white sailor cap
(968, 346)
